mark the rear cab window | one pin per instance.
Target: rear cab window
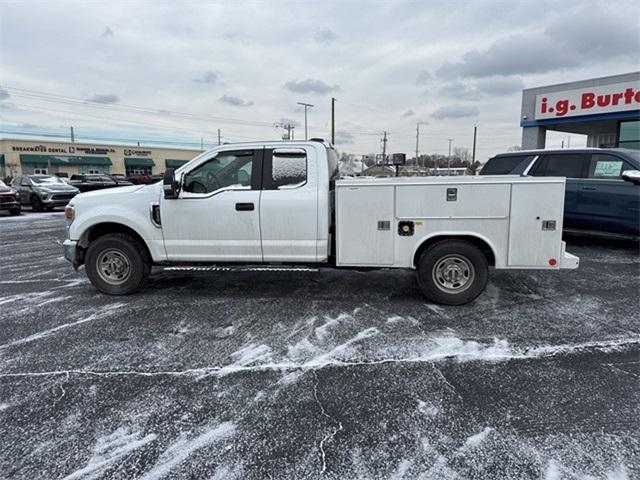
(288, 168)
(506, 165)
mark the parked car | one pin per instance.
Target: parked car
(89, 182)
(603, 185)
(43, 191)
(9, 199)
(144, 179)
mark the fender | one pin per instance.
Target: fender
(120, 214)
(457, 233)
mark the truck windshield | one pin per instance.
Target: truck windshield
(46, 180)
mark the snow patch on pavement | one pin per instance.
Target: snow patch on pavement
(180, 450)
(110, 450)
(475, 440)
(323, 330)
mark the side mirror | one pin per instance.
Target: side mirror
(170, 186)
(632, 176)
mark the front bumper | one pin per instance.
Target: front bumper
(9, 204)
(568, 260)
(72, 252)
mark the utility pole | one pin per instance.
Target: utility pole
(201, 144)
(305, 105)
(417, 140)
(384, 148)
(449, 157)
(73, 139)
(473, 154)
(219, 137)
(333, 121)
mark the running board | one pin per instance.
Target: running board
(240, 269)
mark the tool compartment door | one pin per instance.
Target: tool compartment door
(365, 225)
(533, 239)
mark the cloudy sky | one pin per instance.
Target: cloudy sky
(179, 71)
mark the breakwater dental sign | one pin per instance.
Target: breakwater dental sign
(618, 97)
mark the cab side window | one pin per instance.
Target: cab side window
(288, 169)
(607, 166)
(226, 169)
(560, 165)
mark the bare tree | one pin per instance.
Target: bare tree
(514, 148)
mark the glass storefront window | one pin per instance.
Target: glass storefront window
(629, 134)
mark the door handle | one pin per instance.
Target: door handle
(244, 207)
(590, 189)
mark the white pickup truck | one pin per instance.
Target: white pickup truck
(283, 205)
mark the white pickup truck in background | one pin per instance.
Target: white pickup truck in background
(282, 203)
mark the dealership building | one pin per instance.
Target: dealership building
(606, 110)
(33, 156)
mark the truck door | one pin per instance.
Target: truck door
(606, 201)
(216, 217)
(289, 205)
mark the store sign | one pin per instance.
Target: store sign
(91, 150)
(617, 97)
(136, 153)
(38, 149)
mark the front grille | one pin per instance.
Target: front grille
(63, 196)
(7, 199)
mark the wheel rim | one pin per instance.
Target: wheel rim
(453, 273)
(113, 266)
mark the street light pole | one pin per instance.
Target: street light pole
(305, 105)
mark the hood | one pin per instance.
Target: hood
(56, 187)
(5, 189)
(118, 194)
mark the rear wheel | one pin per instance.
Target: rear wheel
(117, 264)
(36, 203)
(15, 211)
(452, 272)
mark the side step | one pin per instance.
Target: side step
(239, 268)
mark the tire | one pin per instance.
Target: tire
(49, 209)
(36, 203)
(452, 272)
(117, 264)
(15, 211)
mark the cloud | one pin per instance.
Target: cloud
(107, 33)
(311, 86)
(409, 113)
(107, 98)
(3, 94)
(208, 77)
(500, 85)
(29, 126)
(458, 89)
(455, 111)
(325, 35)
(235, 101)
(423, 78)
(561, 46)
(343, 138)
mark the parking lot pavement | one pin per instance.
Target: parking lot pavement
(328, 374)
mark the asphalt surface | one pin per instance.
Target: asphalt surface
(329, 374)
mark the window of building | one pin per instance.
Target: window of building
(629, 134)
(138, 171)
(227, 169)
(40, 171)
(560, 165)
(607, 166)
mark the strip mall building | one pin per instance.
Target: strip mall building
(606, 109)
(33, 156)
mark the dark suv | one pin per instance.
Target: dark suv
(43, 191)
(9, 199)
(603, 185)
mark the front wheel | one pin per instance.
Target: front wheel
(117, 264)
(452, 272)
(15, 211)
